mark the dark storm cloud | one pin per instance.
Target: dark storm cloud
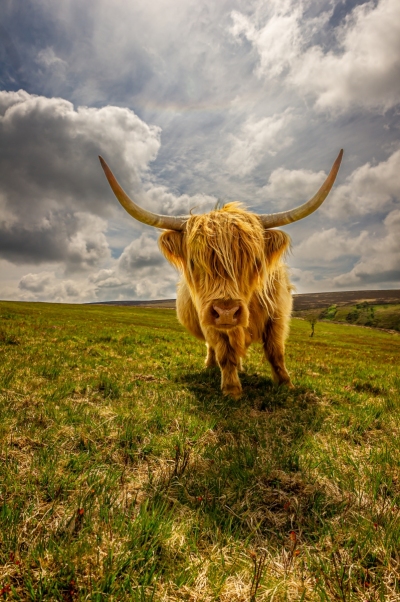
(20, 245)
(49, 151)
(51, 180)
(76, 240)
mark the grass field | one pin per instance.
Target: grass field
(386, 316)
(126, 475)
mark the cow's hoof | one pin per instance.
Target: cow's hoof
(232, 391)
(287, 383)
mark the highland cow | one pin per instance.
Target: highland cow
(234, 288)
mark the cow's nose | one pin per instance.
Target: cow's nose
(226, 315)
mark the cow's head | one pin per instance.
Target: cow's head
(227, 254)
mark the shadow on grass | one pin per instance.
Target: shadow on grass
(252, 483)
(259, 392)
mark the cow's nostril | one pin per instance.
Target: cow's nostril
(214, 313)
(237, 313)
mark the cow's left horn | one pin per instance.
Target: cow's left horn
(166, 222)
(287, 217)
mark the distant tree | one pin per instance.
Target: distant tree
(312, 320)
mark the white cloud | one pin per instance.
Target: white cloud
(363, 71)
(368, 189)
(303, 280)
(88, 246)
(142, 252)
(278, 42)
(380, 258)
(45, 286)
(36, 283)
(166, 202)
(48, 58)
(236, 98)
(326, 245)
(296, 185)
(256, 138)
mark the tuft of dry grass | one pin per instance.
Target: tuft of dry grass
(126, 475)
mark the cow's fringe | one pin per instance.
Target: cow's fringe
(228, 238)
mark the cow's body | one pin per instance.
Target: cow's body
(270, 327)
(234, 288)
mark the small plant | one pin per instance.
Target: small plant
(258, 569)
(108, 387)
(312, 319)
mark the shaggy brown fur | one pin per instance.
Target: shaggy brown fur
(234, 288)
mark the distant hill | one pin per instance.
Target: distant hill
(301, 302)
(161, 303)
(321, 300)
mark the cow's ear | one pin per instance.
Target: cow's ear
(277, 243)
(171, 244)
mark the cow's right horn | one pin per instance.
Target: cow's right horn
(166, 222)
(274, 220)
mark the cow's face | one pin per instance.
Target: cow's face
(225, 256)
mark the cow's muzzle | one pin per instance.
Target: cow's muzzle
(226, 313)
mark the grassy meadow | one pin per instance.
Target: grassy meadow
(127, 476)
(385, 316)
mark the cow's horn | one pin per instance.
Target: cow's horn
(287, 217)
(167, 222)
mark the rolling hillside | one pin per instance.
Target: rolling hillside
(376, 309)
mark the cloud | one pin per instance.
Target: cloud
(45, 286)
(296, 185)
(278, 42)
(140, 272)
(373, 259)
(327, 245)
(380, 259)
(165, 202)
(88, 246)
(256, 138)
(363, 70)
(366, 71)
(368, 189)
(48, 58)
(142, 252)
(52, 189)
(48, 152)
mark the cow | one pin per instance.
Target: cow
(234, 287)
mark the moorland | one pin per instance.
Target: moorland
(126, 475)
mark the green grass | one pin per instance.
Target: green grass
(385, 316)
(126, 475)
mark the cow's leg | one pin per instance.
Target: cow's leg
(229, 360)
(211, 360)
(274, 337)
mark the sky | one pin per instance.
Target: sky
(193, 102)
